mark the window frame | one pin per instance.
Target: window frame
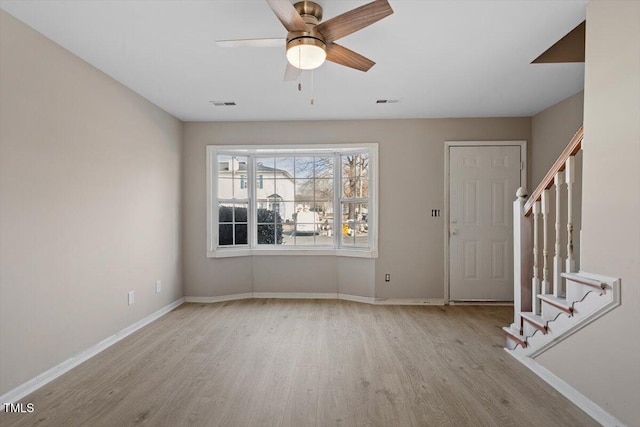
(214, 250)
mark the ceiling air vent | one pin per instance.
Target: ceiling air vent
(223, 103)
(387, 101)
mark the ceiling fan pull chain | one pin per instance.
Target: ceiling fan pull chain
(312, 89)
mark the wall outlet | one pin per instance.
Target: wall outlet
(387, 277)
(158, 286)
(131, 298)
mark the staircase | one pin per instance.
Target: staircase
(552, 302)
(588, 296)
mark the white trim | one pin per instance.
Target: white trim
(221, 298)
(589, 309)
(409, 301)
(295, 295)
(321, 295)
(213, 251)
(344, 252)
(580, 400)
(40, 380)
(448, 144)
(357, 298)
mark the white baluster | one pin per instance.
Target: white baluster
(521, 258)
(546, 288)
(570, 177)
(558, 288)
(535, 281)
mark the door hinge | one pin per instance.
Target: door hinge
(521, 166)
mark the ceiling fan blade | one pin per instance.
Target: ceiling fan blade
(288, 15)
(343, 56)
(291, 73)
(354, 20)
(252, 43)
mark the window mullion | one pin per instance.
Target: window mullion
(252, 215)
(337, 196)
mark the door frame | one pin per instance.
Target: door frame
(447, 220)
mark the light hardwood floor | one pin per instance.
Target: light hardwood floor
(306, 363)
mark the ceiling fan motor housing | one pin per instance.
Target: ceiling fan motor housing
(310, 12)
(311, 41)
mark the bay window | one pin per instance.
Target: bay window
(292, 200)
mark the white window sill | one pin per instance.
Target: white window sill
(240, 252)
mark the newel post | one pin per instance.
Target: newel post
(521, 258)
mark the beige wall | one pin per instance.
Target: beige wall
(89, 206)
(411, 184)
(603, 360)
(551, 131)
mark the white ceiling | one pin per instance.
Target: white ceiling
(440, 58)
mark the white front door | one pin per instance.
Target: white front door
(482, 185)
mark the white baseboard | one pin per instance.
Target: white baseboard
(357, 298)
(295, 295)
(580, 400)
(222, 298)
(410, 301)
(35, 383)
(324, 295)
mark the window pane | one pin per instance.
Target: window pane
(348, 211)
(269, 215)
(355, 165)
(223, 166)
(305, 234)
(240, 187)
(307, 216)
(241, 234)
(349, 187)
(286, 210)
(239, 165)
(324, 189)
(225, 234)
(225, 188)
(288, 234)
(324, 235)
(324, 167)
(347, 237)
(284, 167)
(265, 186)
(361, 225)
(324, 238)
(349, 169)
(324, 210)
(285, 189)
(361, 164)
(304, 167)
(225, 213)
(304, 189)
(265, 165)
(240, 212)
(266, 234)
(361, 188)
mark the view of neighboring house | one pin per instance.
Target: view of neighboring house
(275, 188)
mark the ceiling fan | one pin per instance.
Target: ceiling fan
(310, 42)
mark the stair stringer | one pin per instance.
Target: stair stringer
(593, 305)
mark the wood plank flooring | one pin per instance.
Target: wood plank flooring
(305, 363)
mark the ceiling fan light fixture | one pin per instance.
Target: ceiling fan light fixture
(306, 53)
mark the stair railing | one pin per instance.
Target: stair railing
(531, 278)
